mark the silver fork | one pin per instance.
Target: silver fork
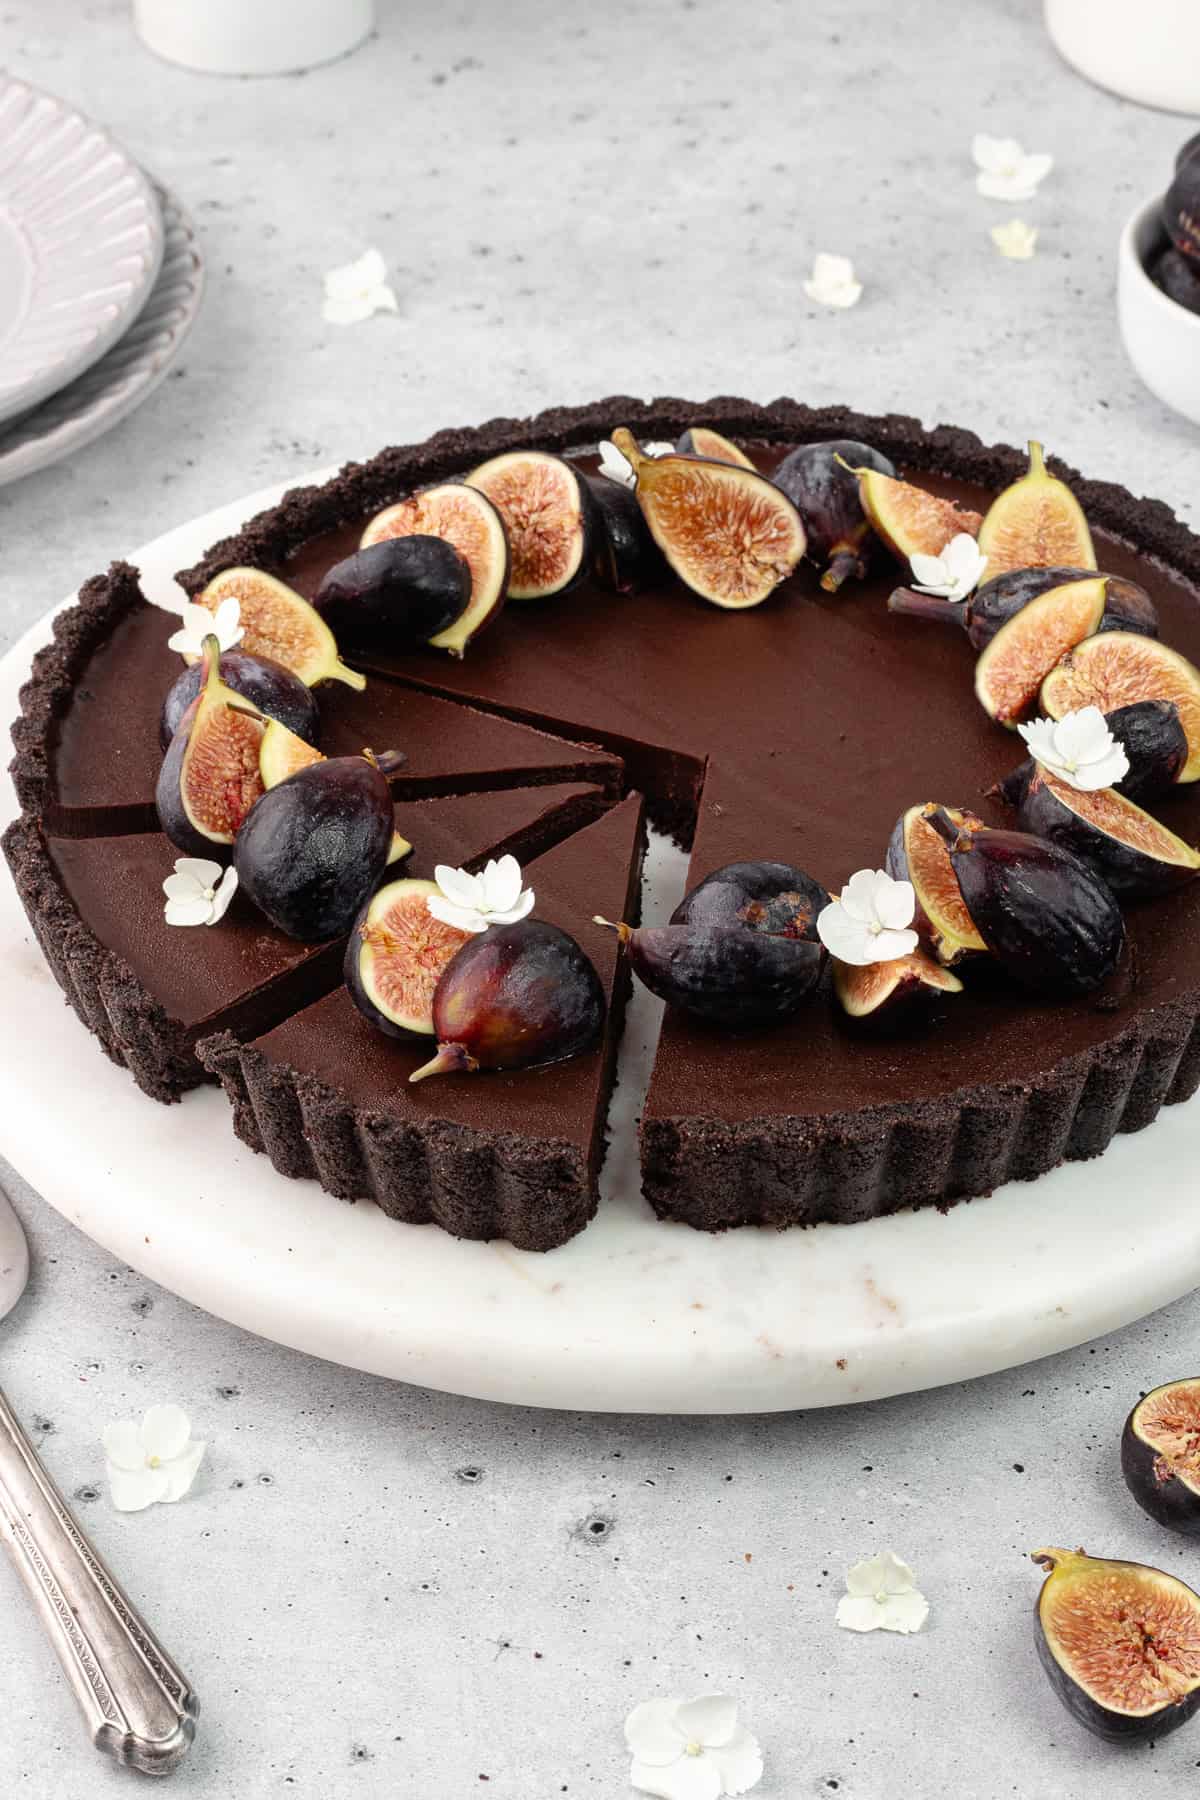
(138, 1706)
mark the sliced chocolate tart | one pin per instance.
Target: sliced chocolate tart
(87, 740)
(490, 1155)
(815, 722)
(148, 990)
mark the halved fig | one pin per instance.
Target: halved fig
(702, 440)
(547, 510)
(729, 533)
(625, 556)
(890, 992)
(820, 481)
(1037, 523)
(910, 521)
(281, 753)
(1012, 668)
(1120, 1642)
(1119, 669)
(1127, 606)
(918, 854)
(396, 955)
(279, 623)
(267, 685)
(1160, 1455)
(468, 521)
(1136, 855)
(210, 776)
(395, 594)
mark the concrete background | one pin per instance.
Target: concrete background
(380, 1591)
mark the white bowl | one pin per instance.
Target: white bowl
(1149, 52)
(1162, 337)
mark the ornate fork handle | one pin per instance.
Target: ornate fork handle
(137, 1704)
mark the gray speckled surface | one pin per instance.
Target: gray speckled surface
(576, 202)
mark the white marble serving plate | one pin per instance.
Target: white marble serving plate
(81, 241)
(128, 373)
(633, 1315)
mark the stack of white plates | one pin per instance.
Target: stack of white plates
(100, 280)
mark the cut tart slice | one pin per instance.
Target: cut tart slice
(88, 751)
(149, 990)
(512, 1156)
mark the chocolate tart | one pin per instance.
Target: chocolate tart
(148, 991)
(87, 744)
(512, 1156)
(813, 722)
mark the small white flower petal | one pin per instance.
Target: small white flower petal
(226, 889)
(896, 1576)
(658, 447)
(164, 1432)
(995, 153)
(458, 885)
(188, 912)
(1003, 185)
(651, 1731)
(513, 915)
(200, 869)
(1107, 772)
(859, 1612)
(133, 1491)
(832, 282)
(850, 940)
(1016, 240)
(1082, 735)
(348, 311)
(832, 270)
(181, 1471)
(182, 887)
(929, 569)
(895, 902)
(462, 918)
(688, 1778)
(889, 945)
(904, 1612)
(710, 1719)
(502, 884)
(858, 895)
(739, 1761)
(615, 466)
(123, 1444)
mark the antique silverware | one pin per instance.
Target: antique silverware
(138, 1706)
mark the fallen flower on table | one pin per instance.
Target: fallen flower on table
(156, 1460)
(1006, 170)
(691, 1749)
(833, 282)
(1016, 240)
(357, 290)
(881, 1595)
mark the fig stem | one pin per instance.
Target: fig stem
(210, 649)
(927, 606)
(623, 931)
(842, 564)
(451, 1059)
(1051, 1558)
(947, 830)
(1037, 459)
(629, 447)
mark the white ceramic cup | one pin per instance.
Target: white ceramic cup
(252, 37)
(1162, 337)
(1149, 52)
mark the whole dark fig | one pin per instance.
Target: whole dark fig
(395, 594)
(769, 897)
(626, 555)
(723, 973)
(821, 481)
(312, 849)
(1127, 607)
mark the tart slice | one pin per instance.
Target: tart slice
(149, 990)
(512, 1156)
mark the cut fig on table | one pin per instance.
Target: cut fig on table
(891, 992)
(1127, 607)
(1013, 666)
(396, 955)
(279, 623)
(1137, 856)
(730, 534)
(1119, 669)
(1160, 1455)
(702, 440)
(548, 515)
(910, 521)
(1037, 523)
(820, 481)
(917, 853)
(466, 520)
(1120, 1643)
(210, 775)
(396, 594)
(625, 556)
(266, 684)
(1046, 917)
(516, 996)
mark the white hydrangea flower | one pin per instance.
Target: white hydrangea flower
(199, 891)
(881, 1595)
(691, 1749)
(619, 468)
(1079, 749)
(1006, 170)
(197, 623)
(833, 282)
(156, 1460)
(357, 290)
(473, 902)
(870, 921)
(954, 574)
(1016, 240)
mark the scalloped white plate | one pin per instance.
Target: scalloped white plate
(81, 242)
(128, 374)
(634, 1315)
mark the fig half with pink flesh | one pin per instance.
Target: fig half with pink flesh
(467, 520)
(210, 776)
(911, 521)
(549, 516)
(1127, 606)
(278, 622)
(1160, 1455)
(702, 440)
(918, 854)
(1036, 523)
(891, 993)
(730, 534)
(1119, 669)
(396, 956)
(1013, 666)
(1137, 856)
